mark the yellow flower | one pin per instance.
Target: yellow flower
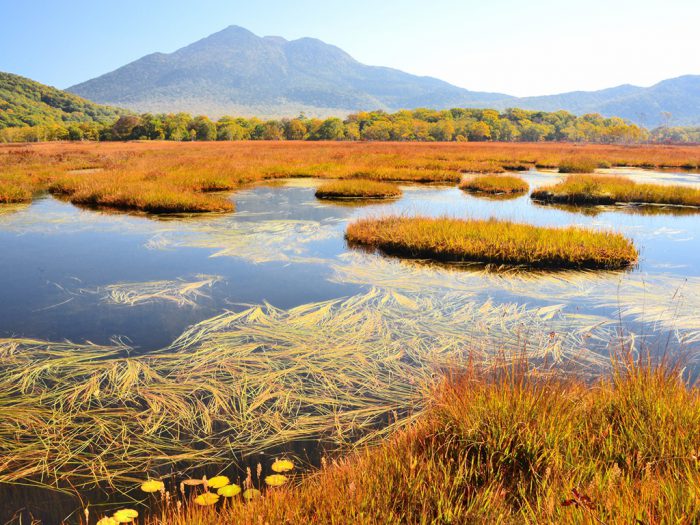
(251, 493)
(152, 485)
(276, 480)
(217, 482)
(229, 491)
(125, 515)
(109, 520)
(282, 465)
(208, 498)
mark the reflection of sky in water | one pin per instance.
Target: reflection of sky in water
(286, 247)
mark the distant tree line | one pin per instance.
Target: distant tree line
(424, 125)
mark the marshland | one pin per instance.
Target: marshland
(178, 310)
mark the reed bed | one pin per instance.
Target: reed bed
(508, 446)
(493, 241)
(579, 165)
(357, 189)
(495, 185)
(348, 370)
(165, 176)
(603, 189)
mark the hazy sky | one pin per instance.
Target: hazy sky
(520, 47)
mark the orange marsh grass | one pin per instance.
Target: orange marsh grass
(508, 446)
(194, 168)
(493, 241)
(495, 184)
(357, 189)
(603, 189)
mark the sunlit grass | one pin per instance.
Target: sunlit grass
(604, 189)
(578, 165)
(493, 241)
(165, 177)
(357, 189)
(509, 444)
(495, 184)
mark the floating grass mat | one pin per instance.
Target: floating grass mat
(178, 291)
(492, 241)
(357, 189)
(348, 370)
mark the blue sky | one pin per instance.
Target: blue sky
(520, 47)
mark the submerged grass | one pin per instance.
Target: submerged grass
(508, 446)
(493, 241)
(357, 189)
(495, 184)
(604, 189)
(179, 292)
(348, 370)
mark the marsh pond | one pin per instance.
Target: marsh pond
(153, 345)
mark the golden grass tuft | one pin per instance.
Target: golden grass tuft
(604, 189)
(578, 165)
(357, 189)
(509, 445)
(493, 241)
(495, 184)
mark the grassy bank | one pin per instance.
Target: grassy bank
(495, 184)
(602, 189)
(506, 446)
(493, 241)
(357, 189)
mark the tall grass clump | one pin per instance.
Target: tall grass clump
(495, 184)
(508, 445)
(357, 189)
(493, 241)
(578, 165)
(603, 189)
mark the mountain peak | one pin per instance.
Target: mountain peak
(236, 72)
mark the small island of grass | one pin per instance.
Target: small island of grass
(602, 189)
(493, 242)
(495, 185)
(357, 189)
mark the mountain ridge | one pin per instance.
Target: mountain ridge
(234, 71)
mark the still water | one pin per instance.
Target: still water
(86, 276)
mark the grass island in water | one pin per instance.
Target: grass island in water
(493, 242)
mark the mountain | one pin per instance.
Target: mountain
(235, 72)
(675, 101)
(24, 102)
(238, 73)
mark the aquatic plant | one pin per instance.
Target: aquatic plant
(603, 189)
(357, 189)
(493, 241)
(179, 291)
(245, 381)
(495, 184)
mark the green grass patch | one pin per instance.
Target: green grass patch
(495, 184)
(357, 189)
(494, 242)
(601, 189)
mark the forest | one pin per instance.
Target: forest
(419, 125)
